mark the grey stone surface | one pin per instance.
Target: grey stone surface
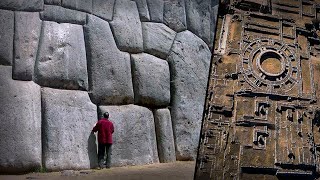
(6, 37)
(199, 18)
(26, 40)
(157, 39)
(189, 62)
(151, 80)
(61, 61)
(20, 124)
(22, 5)
(174, 14)
(103, 9)
(164, 134)
(68, 118)
(156, 10)
(126, 26)
(63, 15)
(143, 10)
(134, 137)
(53, 2)
(109, 68)
(214, 17)
(81, 5)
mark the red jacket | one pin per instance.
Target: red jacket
(105, 129)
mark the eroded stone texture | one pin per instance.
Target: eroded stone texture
(6, 36)
(214, 17)
(151, 80)
(20, 124)
(61, 62)
(174, 14)
(199, 18)
(156, 10)
(157, 39)
(81, 5)
(143, 10)
(26, 39)
(126, 26)
(68, 118)
(22, 5)
(164, 134)
(103, 8)
(63, 15)
(109, 68)
(189, 62)
(134, 137)
(53, 2)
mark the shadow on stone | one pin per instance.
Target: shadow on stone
(92, 151)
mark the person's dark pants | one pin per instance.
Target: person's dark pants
(104, 155)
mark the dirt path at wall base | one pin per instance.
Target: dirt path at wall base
(181, 170)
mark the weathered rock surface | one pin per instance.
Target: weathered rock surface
(174, 14)
(68, 118)
(189, 62)
(81, 5)
(53, 2)
(20, 124)
(151, 80)
(109, 68)
(103, 9)
(156, 10)
(26, 40)
(6, 36)
(126, 26)
(157, 39)
(164, 134)
(199, 18)
(134, 137)
(214, 17)
(143, 10)
(61, 61)
(63, 15)
(22, 5)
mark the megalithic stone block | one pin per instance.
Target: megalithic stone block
(20, 124)
(109, 68)
(80, 5)
(156, 10)
(143, 10)
(134, 137)
(174, 14)
(103, 9)
(189, 61)
(22, 5)
(68, 118)
(6, 37)
(26, 40)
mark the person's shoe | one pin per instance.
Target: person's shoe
(98, 168)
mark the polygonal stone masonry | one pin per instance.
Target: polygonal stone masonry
(151, 80)
(6, 36)
(80, 5)
(63, 15)
(20, 124)
(156, 10)
(22, 5)
(67, 141)
(134, 137)
(103, 9)
(143, 10)
(61, 61)
(174, 14)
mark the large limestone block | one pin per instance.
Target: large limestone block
(53, 2)
(20, 124)
(134, 137)
(68, 118)
(109, 68)
(26, 40)
(189, 62)
(151, 80)
(22, 5)
(126, 26)
(61, 61)
(143, 10)
(103, 9)
(6, 36)
(199, 18)
(164, 134)
(157, 39)
(174, 14)
(81, 5)
(63, 15)
(156, 10)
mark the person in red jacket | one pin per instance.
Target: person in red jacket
(105, 129)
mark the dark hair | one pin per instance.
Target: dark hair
(106, 115)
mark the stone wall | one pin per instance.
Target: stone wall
(62, 62)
